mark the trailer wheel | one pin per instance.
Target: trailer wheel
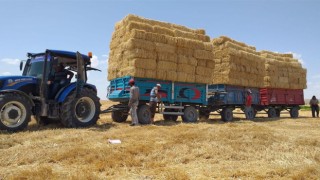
(169, 117)
(119, 116)
(227, 115)
(294, 112)
(190, 114)
(278, 112)
(15, 112)
(272, 113)
(144, 114)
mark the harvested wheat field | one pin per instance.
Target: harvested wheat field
(264, 148)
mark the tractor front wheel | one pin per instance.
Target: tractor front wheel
(15, 112)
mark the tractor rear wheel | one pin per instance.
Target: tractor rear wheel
(80, 111)
(15, 112)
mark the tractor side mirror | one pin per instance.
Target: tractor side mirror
(21, 65)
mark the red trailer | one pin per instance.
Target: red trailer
(276, 100)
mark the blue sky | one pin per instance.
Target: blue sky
(87, 25)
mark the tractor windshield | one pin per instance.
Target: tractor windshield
(34, 67)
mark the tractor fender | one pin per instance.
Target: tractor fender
(18, 92)
(64, 92)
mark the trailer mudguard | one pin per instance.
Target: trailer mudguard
(64, 92)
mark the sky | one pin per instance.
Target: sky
(86, 25)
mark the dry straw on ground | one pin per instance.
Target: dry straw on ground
(265, 148)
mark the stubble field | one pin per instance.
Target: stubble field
(265, 148)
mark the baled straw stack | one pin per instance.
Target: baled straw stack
(172, 52)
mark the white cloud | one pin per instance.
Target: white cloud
(297, 56)
(11, 61)
(94, 61)
(6, 73)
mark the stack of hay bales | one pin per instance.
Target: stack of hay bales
(237, 64)
(283, 71)
(152, 49)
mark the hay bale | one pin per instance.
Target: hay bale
(139, 53)
(189, 69)
(186, 60)
(167, 57)
(140, 26)
(203, 71)
(185, 51)
(171, 75)
(162, 30)
(160, 47)
(148, 64)
(132, 71)
(181, 76)
(139, 44)
(202, 54)
(166, 65)
(161, 74)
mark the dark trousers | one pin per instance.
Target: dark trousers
(315, 109)
(153, 107)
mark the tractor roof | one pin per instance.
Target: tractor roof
(59, 53)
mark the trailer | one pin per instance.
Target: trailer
(193, 101)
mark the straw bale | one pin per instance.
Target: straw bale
(139, 53)
(150, 73)
(187, 60)
(136, 34)
(223, 39)
(202, 54)
(184, 51)
(161, 74)
(202, 62)
(132, 71)
(208, 46)
(191, 78)
(181, 77)
(202, 79)
(149, 64)
(203, 71)
(200, 31)
(140, 26)
(210, 64)
(139, 44)
(171, 76)
(186, 68)
(166, 65)
(160, 47)
(162, 30)
(171, 40)
(188, 43)
(167, 57)
(160, 38)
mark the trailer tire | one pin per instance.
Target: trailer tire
(278, 112)
(169, 117)
(15, 112)
(294, 112)
(272, 113)
(144, 114)
(80, 111)
(190, 115)
(227, 115)
(119, 116)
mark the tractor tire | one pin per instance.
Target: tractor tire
(227, 115)
(294, 112)
(169, 117)
(272, 113)
(119, 116)
(15, 112)
(82, 111)
(190, 115)
(144, 114)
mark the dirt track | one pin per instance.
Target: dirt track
(263, 148)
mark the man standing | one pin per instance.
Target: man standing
(248, 110)
(134, 102)
(314, 103)
(154, 99)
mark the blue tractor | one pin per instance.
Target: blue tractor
(74, 104)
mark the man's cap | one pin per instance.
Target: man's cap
(159, 85)
(249, 91)
(131, 81)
